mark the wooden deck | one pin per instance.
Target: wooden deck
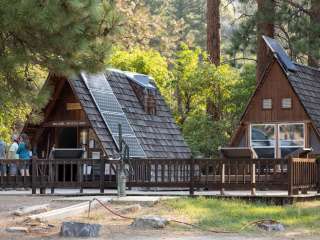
(293, 176)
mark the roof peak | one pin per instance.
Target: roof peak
(139, 78)
(280, 53)
(306, 66)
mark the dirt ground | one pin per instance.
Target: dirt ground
(115, 228)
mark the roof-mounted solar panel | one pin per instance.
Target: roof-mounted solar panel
(141, 79)
(111, 112)
(280, 53)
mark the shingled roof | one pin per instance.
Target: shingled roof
(306, 83)
(158, 134)
(304, 80)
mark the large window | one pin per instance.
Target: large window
(266, 139)
(263, 140)
(291, 138)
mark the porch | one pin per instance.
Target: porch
(291, 176)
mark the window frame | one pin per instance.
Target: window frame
(283, 99)
(277, 146)
(271, 105)
(275, 136)
(303, 139)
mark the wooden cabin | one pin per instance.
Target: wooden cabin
(85, 110)
(283, 114)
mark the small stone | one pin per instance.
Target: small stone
(77, 229)
(17, 229)
(271, 227)
(31, 210)
(130, 209)
(149, 222)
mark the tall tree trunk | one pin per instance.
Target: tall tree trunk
(213, 47)
(265, 26)
(213, 31)
(314, 35)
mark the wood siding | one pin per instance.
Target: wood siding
(275, 87)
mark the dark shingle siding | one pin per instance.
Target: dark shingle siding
(94, 117)
(158, 134)
(306, 83)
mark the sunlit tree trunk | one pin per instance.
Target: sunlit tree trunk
(314, 35)
(265, 26)
(213, 31)
(213, 48)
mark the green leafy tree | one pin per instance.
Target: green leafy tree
(149, 62)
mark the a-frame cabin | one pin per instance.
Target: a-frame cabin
(85, 111)
(283, 115)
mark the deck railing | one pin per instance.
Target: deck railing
(292, 175)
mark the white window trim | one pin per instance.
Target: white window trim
(277, 147)
(275, 136)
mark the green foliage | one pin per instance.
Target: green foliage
(293, 26)
(197, 80)
(232, 215)
(37, 37)
(205, 136)
(148, 62)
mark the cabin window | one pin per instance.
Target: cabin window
(286, 103)
(263, 139)
(267, 103)
(291, 138)
(146, 97)
(267, 138)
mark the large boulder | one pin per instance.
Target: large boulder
(77, 229)
(150, 222)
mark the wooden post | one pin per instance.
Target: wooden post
(223, 177)
(80, 171)
(34, 175)
(318, 175)
(192, 167)
(253, 178)
(102, 173)
(290, 176)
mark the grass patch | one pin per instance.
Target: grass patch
(233, 214)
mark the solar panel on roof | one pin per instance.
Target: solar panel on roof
(141, 79)
(112, 112)
(283, 57)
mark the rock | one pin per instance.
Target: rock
(17, 229)
(31, 210)
(77, 229)
(271, 227)
(130, 209)
(149, 222)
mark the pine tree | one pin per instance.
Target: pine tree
(213, 48)
(58, 36)
(265, 26)
(213, 31)
(314, 36)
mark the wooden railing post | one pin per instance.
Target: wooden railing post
(253, 177)
(102, 173)
(223, 177)
(290, 176)
(318, 175)
(80, 170)
(34, 175)
(192, 167)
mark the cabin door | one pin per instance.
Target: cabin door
(67, 137)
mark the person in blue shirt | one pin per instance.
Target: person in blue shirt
(24, 153)
(3, 167)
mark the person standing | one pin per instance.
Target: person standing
(24, 154)
(12, 154)
(3, 166)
